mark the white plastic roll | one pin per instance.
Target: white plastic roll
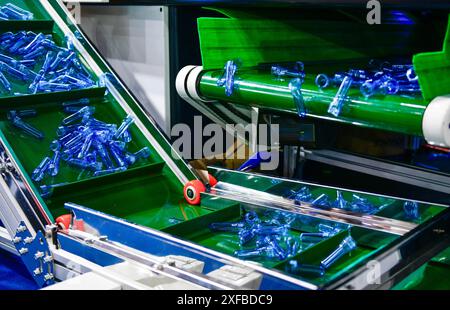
(180, 83)
(192, 83)
(436, 122)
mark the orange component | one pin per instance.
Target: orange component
(212, 181)
(64, 221)
(192, 191)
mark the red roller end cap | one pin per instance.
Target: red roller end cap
(192, 191)
(64, 221)
(212, 181)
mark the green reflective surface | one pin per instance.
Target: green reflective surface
(434, 275)
(150, 199)
(261, 89)
(433, 69)
(329, 38)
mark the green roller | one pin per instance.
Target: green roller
(403, 114)
(325, 46)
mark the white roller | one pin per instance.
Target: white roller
(180, 82)
(436, 122)
(181, 85)
(192, 84)
(186, 84)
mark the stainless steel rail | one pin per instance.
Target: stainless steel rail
(255, 197)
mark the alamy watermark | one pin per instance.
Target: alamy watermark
(374, 15)
(374, 273)
(212, 141)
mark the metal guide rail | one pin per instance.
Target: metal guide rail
(245, 195)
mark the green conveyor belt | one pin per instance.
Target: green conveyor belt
(434, 275)
(149, 193)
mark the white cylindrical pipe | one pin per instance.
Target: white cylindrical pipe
(192, 83)
(180, 82)
(436, 122)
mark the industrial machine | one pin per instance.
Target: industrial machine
(357, 147)
(122, 209)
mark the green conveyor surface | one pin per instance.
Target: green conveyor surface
(149, 193)
(50, 115)
(42, 23)
(318, 252)
(20, 88)
(150, 200)
(225, 242)
(39, 13)
(434, 275)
